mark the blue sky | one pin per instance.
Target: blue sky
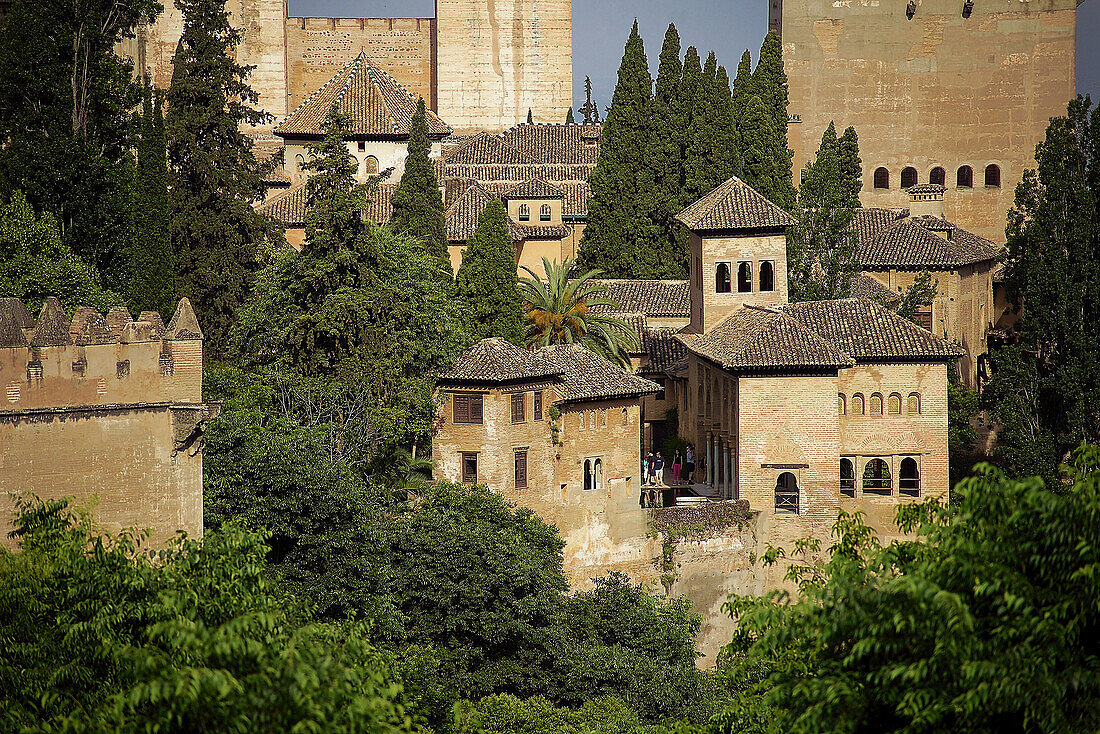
(727, 27)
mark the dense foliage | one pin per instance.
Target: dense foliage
(217, 236)
(1046, 387)
(103, 635)
(986, 621)
(486, 282)
(151, 286)
(417, 203)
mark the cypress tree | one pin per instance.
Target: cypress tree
(727, 142)
(698, 145)
(486, 281)
(530, 117)
(569, 118)
(669, 72)
(667, 159)
(151, 286)
(770, 85)
(757, 162)
(216, 234)
(850, 166)
(742, 83)
(691, 89)
(417, 203)
(620, 235)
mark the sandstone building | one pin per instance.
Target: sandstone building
(104, 407)
(948, 92)
(481, 64)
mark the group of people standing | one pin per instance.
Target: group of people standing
(653, 466)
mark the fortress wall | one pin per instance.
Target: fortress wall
(317, 48)
(499, 58)
(937, 90)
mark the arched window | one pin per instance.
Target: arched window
(893, 406)
(841, 405)
(938, 176)
(847, 478)
(589, 477)
(874, 407)
(744, 277)
(603, 418)
(908, 177)
(584, 418)
(626, 417)
(909, 477)
(300, 161)
(914, 403)
(882, 178)
(786, 494)
(370, 165)
(876, 477)
(964, 179)
(857, 404)
(597, 471)
(592, 419)
(993, 176)
(722, 280)
(544, 213)
(767, 276)
(708, 399)
(524, 213)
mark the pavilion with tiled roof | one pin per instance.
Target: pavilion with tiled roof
(734, 205)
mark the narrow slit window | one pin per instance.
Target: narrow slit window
(521, 469)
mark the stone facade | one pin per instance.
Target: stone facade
(106, 411)
(481, 63)
(943, 89)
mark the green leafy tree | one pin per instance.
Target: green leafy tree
(919, 295)
(620, 234)
(103, 635)
(822, 247)
(1044, 389)
(850, 165)
(984, 623)
(757, 162)
(65, 102)
(417, 203)
(151, 276)
(486, 282)
(217, 236)
(962, 439)
(770, 85)
(564, 310)
(35, 264)
(606, 714)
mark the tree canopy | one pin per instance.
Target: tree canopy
(417, 203)
(151, 286)
(486, 282)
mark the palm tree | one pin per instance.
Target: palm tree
(564, 310)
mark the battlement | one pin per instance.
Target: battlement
(96, 359)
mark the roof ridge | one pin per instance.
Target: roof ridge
(315, 92)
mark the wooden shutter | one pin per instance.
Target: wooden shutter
(521, 469)
(538, 405)
(476, 408)
(461, 408)
(519, 405)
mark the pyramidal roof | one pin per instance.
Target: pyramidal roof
(734, 205)
(376, 106)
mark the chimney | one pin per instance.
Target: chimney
(926, 200)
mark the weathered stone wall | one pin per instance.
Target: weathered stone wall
(497, 59)
(937, 90)
(708, 307)
(317, 48)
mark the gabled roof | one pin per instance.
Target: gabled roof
(890, 238)
(663, 348)
(534, 188)
(556, 143)
(654, 298)
(734, 205)
(588, 376)
(494, 360)
(868, 332)
(462, 216)
(376, 104)
(486, 149)
(290, 207)
(764, 338)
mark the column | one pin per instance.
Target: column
(729, 474)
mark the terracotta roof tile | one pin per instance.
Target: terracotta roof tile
(734, 205)
(654, 298)
(663, 350)
(534, 188)
(865, 286)
(483, 149)
(587, 376)
(290, 207)
(765, 338)
(378, 107)
(926, 188)
(561, 143)
(891, 239)
(868, 332)
(463, 214)
(498, 361)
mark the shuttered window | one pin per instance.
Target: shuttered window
(467, 408)
(519, 407)
(538, 405)
(469, 468)
(521, 469)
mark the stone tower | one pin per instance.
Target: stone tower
(496, 59)
(953, 92)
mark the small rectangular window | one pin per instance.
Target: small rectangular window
(521, 470)
(362, 145)
(538, 405)
(519, 407)
(468, 408)
(469, 468)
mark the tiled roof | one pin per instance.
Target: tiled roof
(576, 193)
(534, 188)
(587, 376)
(462, 217)
(289, 207)
(765, 338)
(376, 105)
(52, 329)
(514, 172)
(890, 238)
(734, 205)
(654, 298)
(663, 350)
(484, 149)
(865, 286)
(868, 332)
(569, 144)
(496, 361)
(926, 188)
